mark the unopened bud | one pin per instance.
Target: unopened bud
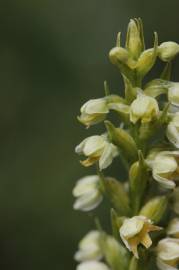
(123, 140)
(134, 42)
(168, 50)
(155, 208)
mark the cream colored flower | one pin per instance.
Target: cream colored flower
(168, 50)
(165, 167)
(176, 200)
(173, 93)
(87, 193)
(173, 131)
(135, 231)
(93, 111)
(144, 108)
(173, 228)
(97, 148)
(168, 254)
(92, 265)
(89, 247)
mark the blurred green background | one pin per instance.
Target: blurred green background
(53, 58)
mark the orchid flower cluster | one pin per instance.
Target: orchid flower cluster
(145, 207)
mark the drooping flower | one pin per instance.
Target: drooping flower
(173, 228)
(92, 265)
(173, 93)
(87, 192)
(135, 231)
(97, 148)
(89, 247)
(173, 130)
(143, 108)
(168, 254)
(165, 167)
(93, 111)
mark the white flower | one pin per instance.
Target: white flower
(93, 111)
(173, 93)
(165, 167)
(89, 247)
(168, 50)
(92, 265)
(173, 228)
(176, 200)
(173, 131)
(143, 108)
(97, 148)
(168, 254)
(87, 193)
(136, 230)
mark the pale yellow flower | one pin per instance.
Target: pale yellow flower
(97, 148)
(165, 167)
(168, 254)
(135, 231)
(173, 130)
(173, 93)
(143, 108)
(93, 111)
(89, 247)
(92, 265)
(87, 193)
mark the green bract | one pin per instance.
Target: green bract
(144, 139)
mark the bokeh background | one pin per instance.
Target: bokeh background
(53, 57)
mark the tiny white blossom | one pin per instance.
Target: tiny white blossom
(89, 247)
(143, 108)
(135, 231)
(173, 130)
(173, 93)
(87, 193)
(97, 148)
(93, 111)
(165, 167)
(92, 265)
(168, 254)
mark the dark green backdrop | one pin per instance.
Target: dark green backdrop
(53, 57)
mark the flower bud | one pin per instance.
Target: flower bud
(168, 254)
(155, 208)
(143, 108)
(176, 200)
(117, 195)
(115, 254)
(147, 59)
(97, 148)
(168, 50)
(165, 167)
(92, 265)
(173, 228)
(172, 131)
(173, 94)
(89, 247)
(134, 42)
(87, 192)
(138, 176)
(93, 111)
(118, 54)
(123, 140)
(135, 231)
